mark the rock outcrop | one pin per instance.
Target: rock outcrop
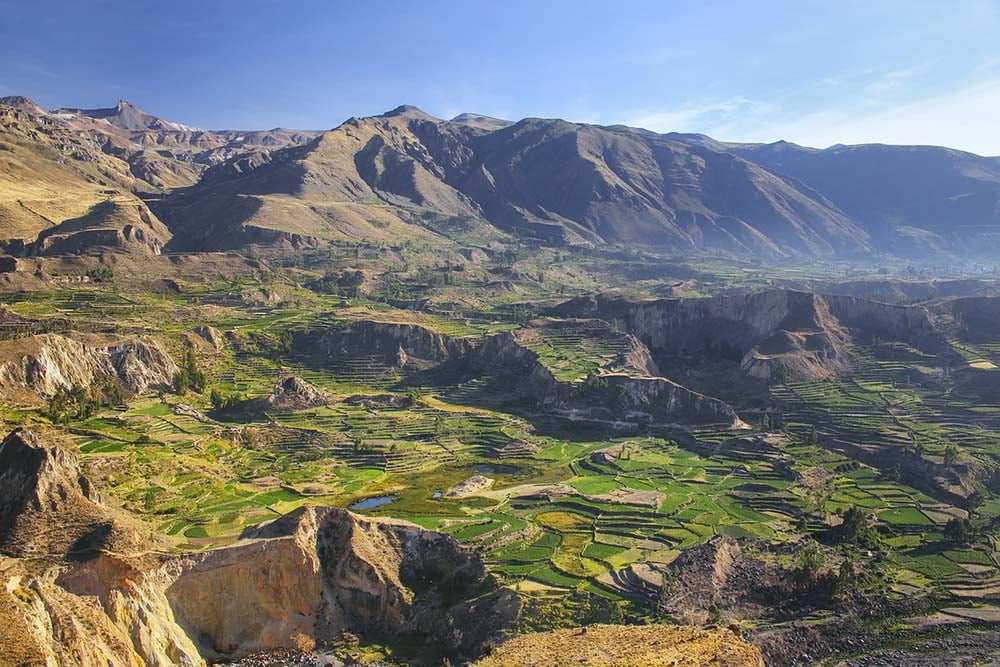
(47, 507)
(400, 345)
(302, 579)
(975, 318)
(326, 571)
(621, 390)
(212, 336)
(470, 487)
(662, 401)
(794, 335)
(293, 393)
(43, 364)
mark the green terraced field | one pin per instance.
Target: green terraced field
(558, 517)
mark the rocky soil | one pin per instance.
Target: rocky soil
(627, 646)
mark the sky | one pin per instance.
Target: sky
(816, 73)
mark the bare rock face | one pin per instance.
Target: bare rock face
(211, 335)
(43, 364)
(974, 318)
(320, 571)
(66, 599)
(506, 355)
(667, 402)
(40, 482)
(399, 344)
(294, 393)
(626, 388)
(470, 486)
(81, 586)
(795, 335)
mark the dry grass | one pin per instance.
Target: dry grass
(627, 646)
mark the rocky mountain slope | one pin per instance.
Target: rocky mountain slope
(69, 180)
(542, 179)
(160, 152)
(50, 174)
(916, 199)
(548, 179)
(50, 510)
(303, 579)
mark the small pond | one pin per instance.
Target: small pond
(369, 503)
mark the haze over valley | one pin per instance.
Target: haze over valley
(590, 360)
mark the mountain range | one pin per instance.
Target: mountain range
(75, 179)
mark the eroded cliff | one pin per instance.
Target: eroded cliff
(96, 592)
(623, 389)
(38, 366)
(779, 333)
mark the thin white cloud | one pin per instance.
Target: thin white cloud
(963, 118)
(893, 80)
(32, 68)
(687, 117)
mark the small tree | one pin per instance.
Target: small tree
(181, 382)
(149, 500)
(847, 577)
(960, 531)
(189, 376)
(765, 423)
(856, 529)
(714, 613)
(807, 566)
(950, 455)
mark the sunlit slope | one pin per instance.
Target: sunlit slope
(542, 179)
(49, 175)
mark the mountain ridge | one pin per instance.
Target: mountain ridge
(544, 180)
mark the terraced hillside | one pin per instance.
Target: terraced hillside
(587, 507)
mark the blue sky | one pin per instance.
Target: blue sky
(818, 73)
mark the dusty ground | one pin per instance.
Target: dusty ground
(627, 646)
(971, 649)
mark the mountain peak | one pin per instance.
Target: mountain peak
(409, 111)
(128, 116)
(481, 121)
(22, 104)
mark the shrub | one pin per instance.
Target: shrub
(856, 529)
(960, 531)
(189, 376)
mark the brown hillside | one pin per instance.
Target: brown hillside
(627, 646)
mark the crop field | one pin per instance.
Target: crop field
(887, 407)
(572, 349)
(566, 512)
